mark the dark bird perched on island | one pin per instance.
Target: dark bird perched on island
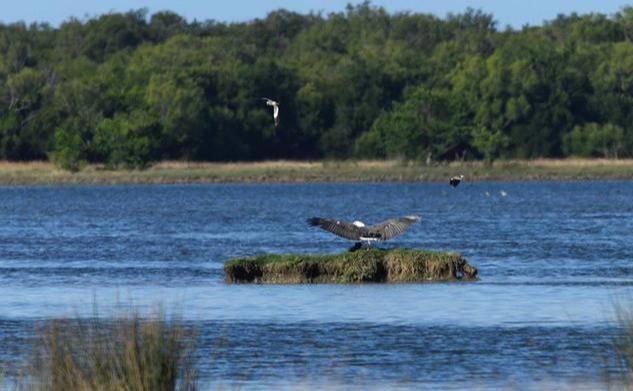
(362, 234)
(275, 105)
(455, 180)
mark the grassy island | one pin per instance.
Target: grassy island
(374, 265)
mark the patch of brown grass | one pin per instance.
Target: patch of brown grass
(571, 162)
(272, 164)
(26, 166)
(124, 353)
(288, 171)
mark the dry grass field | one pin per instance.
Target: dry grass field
(43, 173)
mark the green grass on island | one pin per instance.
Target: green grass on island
(373, 265)
(44, 173)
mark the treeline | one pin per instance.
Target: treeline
(127, 89)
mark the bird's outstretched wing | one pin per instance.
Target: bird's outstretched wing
(337, 227)
(392, 227)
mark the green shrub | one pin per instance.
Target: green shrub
(128, 141)
(596, 140)
(70, 151)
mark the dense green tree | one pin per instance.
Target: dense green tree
(127, 89)
(424, 126)
(128, 140)
(598, 140)
(111, 33)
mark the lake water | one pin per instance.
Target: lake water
(554, 258)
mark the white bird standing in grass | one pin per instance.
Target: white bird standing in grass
(275, 105)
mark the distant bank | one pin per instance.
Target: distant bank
(42, 173)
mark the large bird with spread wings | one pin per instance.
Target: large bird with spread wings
(361, 233)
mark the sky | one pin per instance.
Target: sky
(515, 13)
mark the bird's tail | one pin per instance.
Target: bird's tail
(314, 221)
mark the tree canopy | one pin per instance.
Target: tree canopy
(126, 89)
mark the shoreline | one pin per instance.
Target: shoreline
(348, 171)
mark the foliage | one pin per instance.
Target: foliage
(425, 125)
(596, 140)
(127, 89)
(69, 152)
(127, 141)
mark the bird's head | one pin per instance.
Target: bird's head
(413, 218)
(359, 224)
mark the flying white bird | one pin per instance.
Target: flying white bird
(275, 105)
(362, 234)
(455, 180)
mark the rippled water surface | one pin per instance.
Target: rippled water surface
(553, 259)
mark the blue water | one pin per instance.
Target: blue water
(554, 258)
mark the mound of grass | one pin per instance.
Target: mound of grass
(375, 265)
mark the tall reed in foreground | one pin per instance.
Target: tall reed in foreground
(623, 346)
(126, 352)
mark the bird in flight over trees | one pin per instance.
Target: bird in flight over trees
(361, 233)
(275, 105)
